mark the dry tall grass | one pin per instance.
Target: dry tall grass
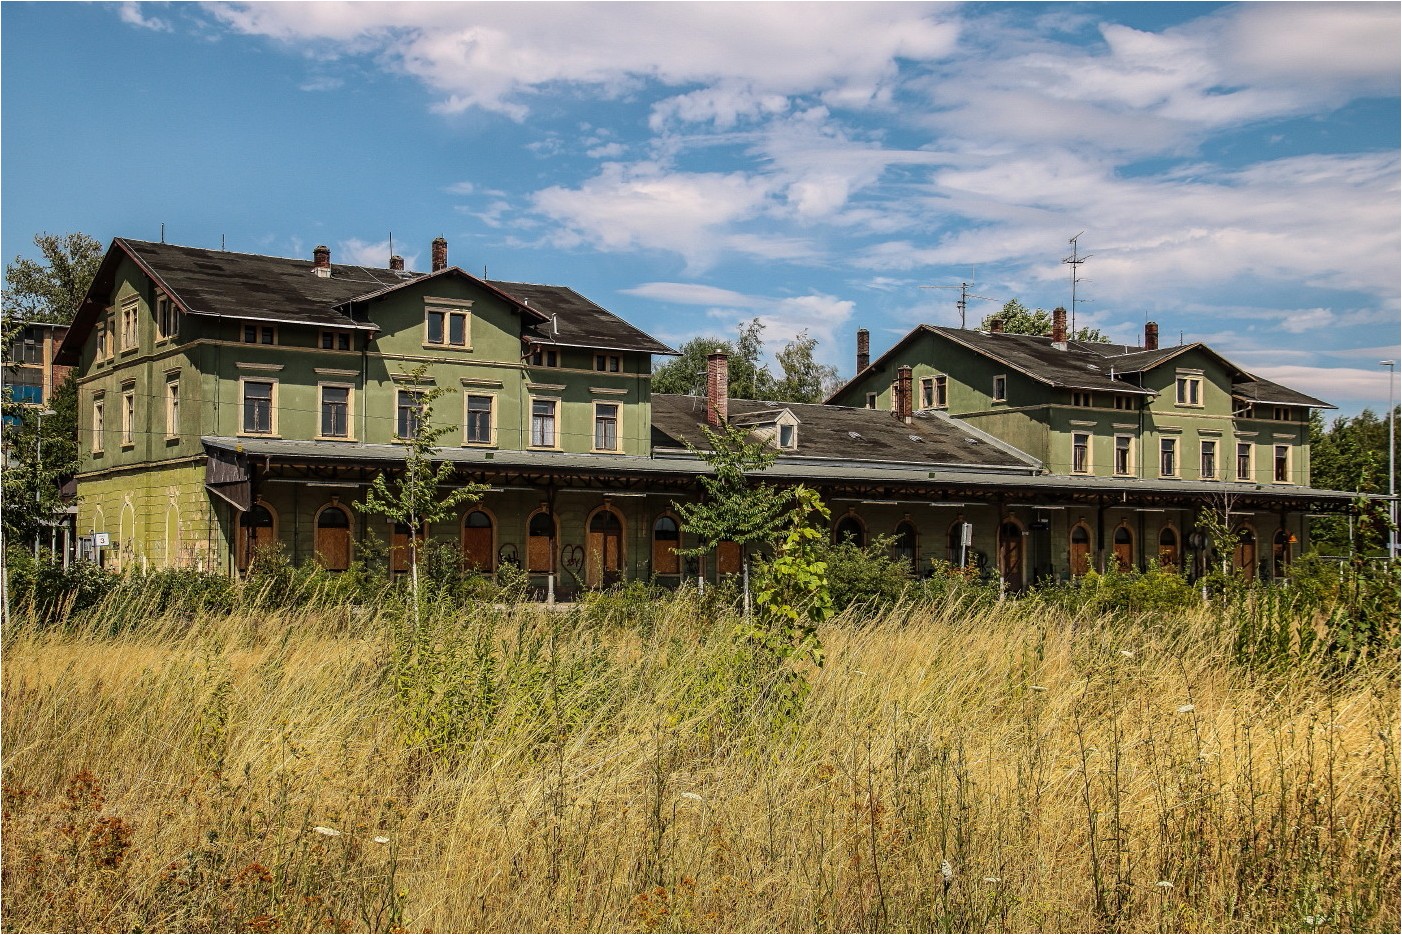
(251, 773)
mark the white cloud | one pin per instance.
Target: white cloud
(131, 14)
(461, 188)
(1348, 388)
(355, 251)
(690, 293)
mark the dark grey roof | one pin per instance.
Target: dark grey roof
(581, 322)
(1261, 390)
(846, 434)
(1071, 365)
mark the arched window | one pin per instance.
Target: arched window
(1123, 544)
(907, 545)
(333, 538)
(850, 529)
(1080, 550)
(1244, 555)
(604, 553)
(478, 547)
(1280, 553)
(958, 553)
(1168, 547)
(540, 543)
(666, 536)
(257, 530)
(1010, 554)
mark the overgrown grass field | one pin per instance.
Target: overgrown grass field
(957, 764)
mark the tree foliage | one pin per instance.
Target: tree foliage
(51, 290)
(43, 455)
(802, 379)
(732, 509)
(1019, 319)
(1349, 453)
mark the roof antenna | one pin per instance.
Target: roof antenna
(163, 232)
(484, 270)
(222, 248)
(963, 304)
(391, 248)
(1074, 261)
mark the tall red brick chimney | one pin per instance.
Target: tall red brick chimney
(1058, 334)
(717, 389)
(905, 402)
(1151, 336)
(396, 263)
(995, 326)
(440, 254)
(321, 256)
(863, 349)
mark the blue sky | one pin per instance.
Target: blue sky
(1234, 168)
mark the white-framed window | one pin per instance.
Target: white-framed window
(1282, 464)
(408, 413)
(1080, 452)
(788, 436)
(480, 422)
(543, 414)
(129, 324)
(927, 392)
(128, 414)
(167, 322)
(335, 340)
(259, 405)
(259, 334)
(1082, 399)
(1188, 391)
(336, 410)
(606, 426)
(545, 357)
(1124, 455)
(100, 354)
(446, 327)
(99, 425)
(1168, 457)
(1243, 460)
(608, 363)
(1000, 388)
(172, 406)
(1207, 459)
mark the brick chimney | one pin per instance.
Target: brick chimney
(863, 349)
(440, 254)
(717, 389)
(1058, 334)
(995, 326)
(905, 401)
(321, 257)
(396, 263)
(1151, 336)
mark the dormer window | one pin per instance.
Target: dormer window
(1000, 389)
(788, 436)
(335, 341)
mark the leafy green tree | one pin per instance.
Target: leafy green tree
(51, 290)
(1018, 319)
(749, 378)
(422, 494)
(42, 454)
(732, 508)
(1349, 453)
(804, 380)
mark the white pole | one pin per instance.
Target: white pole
(1391, 366)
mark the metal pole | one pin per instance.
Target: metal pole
(1391, 366)
(38, 477)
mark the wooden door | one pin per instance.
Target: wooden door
(1080, 551)
(1010, 555)
(665, 539)
(604, 565)
(477, 548)
(728, 558)
(540, 544)
(333, 539)
(1124, 549)
(1244, 556)
(257, 530)
(1168, 547)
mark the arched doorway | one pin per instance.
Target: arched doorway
(1168, 547)
(540, 543)
(257, 530)
(666, 537)
(1080, 550)
(333, 538)
(1010, 554)
(604, 552)
(1244, 554)
(728, 559)
(1280, 553)
(478, 541)
(907, 545)
(400, 554)
(849, 529)
(958, 550)
(1123, 544)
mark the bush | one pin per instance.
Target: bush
(866, 575)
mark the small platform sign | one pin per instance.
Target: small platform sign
(101, 540)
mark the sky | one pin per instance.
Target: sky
(1229, 170)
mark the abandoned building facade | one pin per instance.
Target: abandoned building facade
(232, 401)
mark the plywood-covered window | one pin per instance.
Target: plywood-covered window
(604, 552)
(1080, 550)
(540, 543)
(478, 541)
(333, 538)
(666, 537)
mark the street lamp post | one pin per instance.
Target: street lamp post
(1391, 366)
(39, 474)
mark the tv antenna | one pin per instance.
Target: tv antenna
(963, 304)
(1074, 261)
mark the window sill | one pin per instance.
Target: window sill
(172, 439)
(446, 347)
(544, 448)
(606, 451)
(491, 445)
(258, 435)
(128, 446)
(332, 438)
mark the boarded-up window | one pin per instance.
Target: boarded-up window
(399, 551)
(1168, 547)
(605, 550)
(477, 549)
(540, 544)
(333, 539)
(1080, 550)
(257, 530)
(1245, 557)
(727, 558)
(1124, 549)
(665, 539)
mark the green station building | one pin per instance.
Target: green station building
(232, 401)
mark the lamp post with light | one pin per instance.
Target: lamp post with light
(1391, 366)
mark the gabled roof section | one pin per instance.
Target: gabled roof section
(451, 272)
(847, 434)
(579, 322)
(1261, 390)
